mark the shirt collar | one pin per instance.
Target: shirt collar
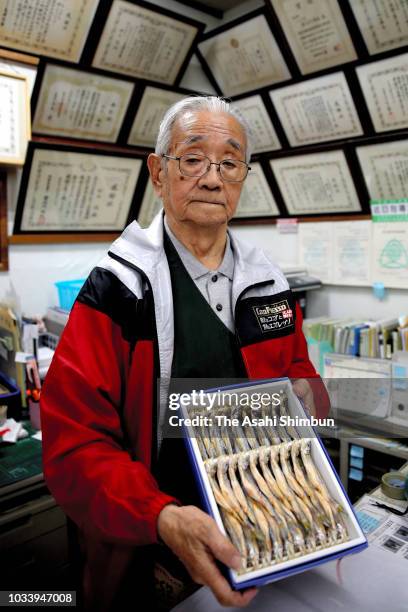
(194, 267)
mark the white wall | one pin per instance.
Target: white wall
(34, 268)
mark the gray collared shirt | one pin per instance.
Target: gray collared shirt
(215, 285)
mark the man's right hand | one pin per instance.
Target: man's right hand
(196, 540)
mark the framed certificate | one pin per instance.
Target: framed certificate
(80, 104)
(253, 109)
(317, 110)
(243, 56)
(316, 32)
(383, 23)
(153, 105)
(3, 223)
(151, 204)
(146, 42)
(256, 197)
(76, 189)
(385, 169)
(317, 183)
(21, 64)
(15, 127)
(50, 28)
(385, 88)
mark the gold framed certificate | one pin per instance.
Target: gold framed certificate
(15, 125)
(75, 189)
(317, 110)
(316, 32)
(383, 23)
(385, 169)
(151, 204)
(153, 105)
(20, 63)
(316, 183)
(256, 196)
(50, 28)
(146, 42)
(264, 135)
(385, 87)
(243, 56)
(80, 104)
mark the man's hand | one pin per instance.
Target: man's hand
(303, 390)
(195, 538)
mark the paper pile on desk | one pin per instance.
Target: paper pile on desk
(11, 431)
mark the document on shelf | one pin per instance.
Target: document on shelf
(315, 249)
(390, 254)
(351, 256)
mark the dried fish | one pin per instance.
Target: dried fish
(236, 534)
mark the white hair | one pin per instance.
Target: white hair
(196, 104)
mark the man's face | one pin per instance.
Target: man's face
(207, 200)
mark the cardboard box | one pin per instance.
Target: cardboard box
(300, 563)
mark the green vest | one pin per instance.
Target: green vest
(203, 348)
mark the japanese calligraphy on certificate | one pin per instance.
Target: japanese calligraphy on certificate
(385, 169)
(256, 197)
(154, 104)
(15, 129)
(264, 135)
(317, 110)
(316, 183)
(151, 204)
(47, 27)
(383, 23)
(70, 191)
(385, 87)
(316, 32)
(143, 43)
(245, 57)
(80, 104)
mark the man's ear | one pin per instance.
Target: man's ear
(155, 168)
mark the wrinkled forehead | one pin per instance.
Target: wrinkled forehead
(208, 127)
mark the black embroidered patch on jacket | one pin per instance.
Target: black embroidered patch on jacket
(262, 318)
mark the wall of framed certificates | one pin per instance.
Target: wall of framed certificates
(323, 84)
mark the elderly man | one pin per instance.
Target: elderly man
(180, 299)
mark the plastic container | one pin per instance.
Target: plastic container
(68, 291)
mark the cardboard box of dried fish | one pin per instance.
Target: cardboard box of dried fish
(268, 482)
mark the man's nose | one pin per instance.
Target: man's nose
(212, 178)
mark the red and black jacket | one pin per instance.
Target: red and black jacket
(98, 401)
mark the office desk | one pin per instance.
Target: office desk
(33, 529)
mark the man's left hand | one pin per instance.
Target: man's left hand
(304, 392)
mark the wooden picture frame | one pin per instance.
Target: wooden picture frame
(146, 109)
(33, 31)
(15, 119)
(161, 58)
(69, 189)
(4, 263)
(264, 42)
(67, 98)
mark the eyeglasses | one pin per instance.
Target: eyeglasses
(193, 165)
